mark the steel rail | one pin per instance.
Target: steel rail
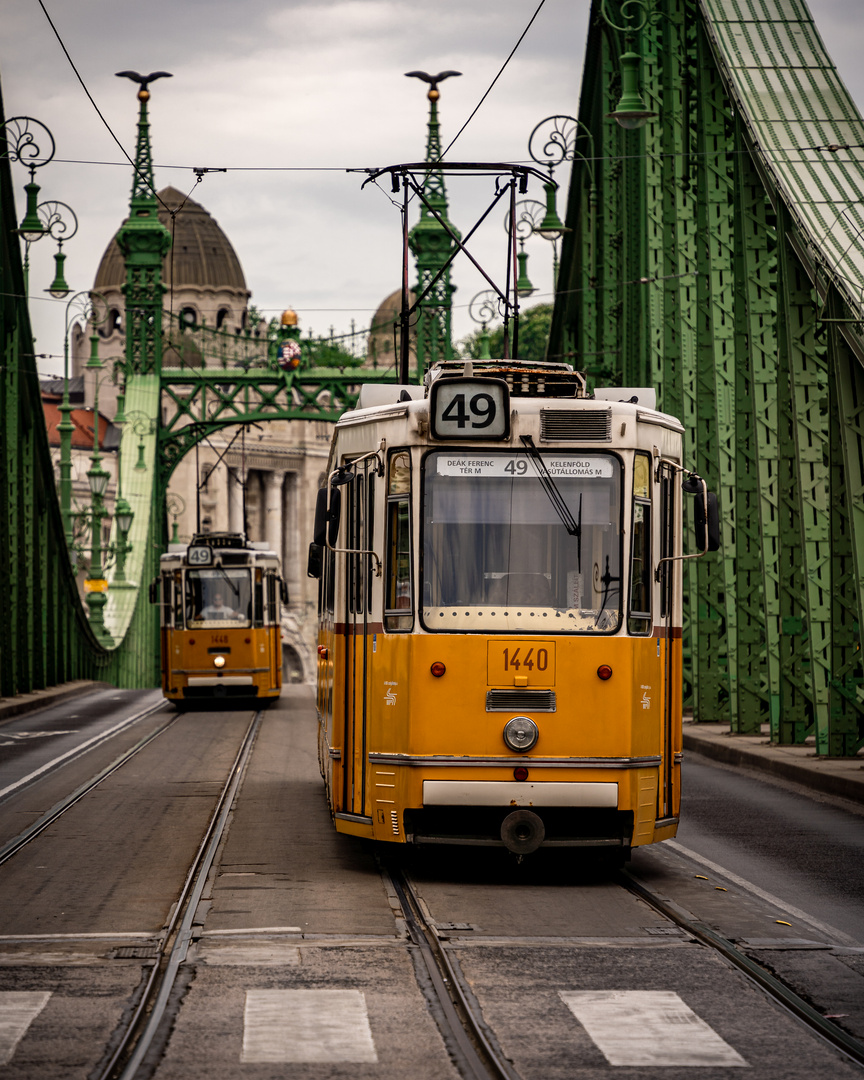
(76, 752)
(11, 847)
(777, 990)
(141, 1030)
(462, 1029)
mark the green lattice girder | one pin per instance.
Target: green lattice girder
(45, 638)
(197, 403)
(729, 323)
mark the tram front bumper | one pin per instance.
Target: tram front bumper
(518, 793)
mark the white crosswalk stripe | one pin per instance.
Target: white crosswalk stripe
(648, 1027)
(18, 1010)
(310, 1026)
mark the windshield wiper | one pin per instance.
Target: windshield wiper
(573, 527)
(234, 588)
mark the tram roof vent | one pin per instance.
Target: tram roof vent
(576, 425)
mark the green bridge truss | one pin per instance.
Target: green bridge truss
(714, 254)
(717, 255)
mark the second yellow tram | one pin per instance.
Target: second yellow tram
(220, 626)
(499, 563)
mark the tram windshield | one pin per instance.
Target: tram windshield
(497, 554)
(217, 597)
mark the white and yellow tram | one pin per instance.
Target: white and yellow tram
(499, 563)
(220, 627)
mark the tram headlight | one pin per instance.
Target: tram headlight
(521, 733)
(219, 661)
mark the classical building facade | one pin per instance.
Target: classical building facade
(261, 480)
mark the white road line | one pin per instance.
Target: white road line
(648, 1028)
(775, 901)
(307, 1026)
(109, 935)
(18, 1010)
(77, 750)
(251, 930)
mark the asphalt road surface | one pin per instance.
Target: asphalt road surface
(300, 965)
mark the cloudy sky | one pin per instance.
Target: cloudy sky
(287, 95)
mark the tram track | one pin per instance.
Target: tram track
(140, 1030)
(462, 1026)
(472, 1042)
(16, 843)
(777, 990)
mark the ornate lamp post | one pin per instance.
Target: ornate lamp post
(175, 505)
(529, 214)
(553, 141)
(25, 139)
(81, 306)
(123, 515)
(96, 586)
(484, 307)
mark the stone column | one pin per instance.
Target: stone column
(291, 541)
(235, 501)
(273, 510)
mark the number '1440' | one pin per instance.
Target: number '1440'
(533, 658)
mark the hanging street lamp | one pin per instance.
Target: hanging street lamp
(30, 142)
(631, 111)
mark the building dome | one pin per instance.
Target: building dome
(385, 335)
(201, 254)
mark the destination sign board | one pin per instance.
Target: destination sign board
(566, 466)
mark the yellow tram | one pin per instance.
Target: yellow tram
(220, 628)
(499, 563)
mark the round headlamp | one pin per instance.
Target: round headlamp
(521, 733)
(219, 661)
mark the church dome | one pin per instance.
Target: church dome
(201, 253)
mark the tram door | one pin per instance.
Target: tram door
(671, 673)
(359, 504)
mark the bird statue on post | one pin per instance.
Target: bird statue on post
(144, 80)
(433, 80)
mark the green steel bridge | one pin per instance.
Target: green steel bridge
(715, 253)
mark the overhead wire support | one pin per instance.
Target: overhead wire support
(402, 176)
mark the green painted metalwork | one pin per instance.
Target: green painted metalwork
(715, 254)
(432, 247)
(732, 278)
(756, 478)
(805, 529)
(846, 417)
(44, 635)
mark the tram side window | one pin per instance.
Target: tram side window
(639, 617)
(173, 589)
(259, 598)
(356, 543)
(398, 600)
(272, 595)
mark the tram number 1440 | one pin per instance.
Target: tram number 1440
(531, 659)
(534, 659)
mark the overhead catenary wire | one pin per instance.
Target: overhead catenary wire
(92, 101)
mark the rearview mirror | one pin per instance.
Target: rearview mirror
(707, 513)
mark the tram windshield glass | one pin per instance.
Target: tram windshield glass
(217, 597)
(497, 553)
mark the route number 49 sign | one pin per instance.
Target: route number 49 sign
(470, 409)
